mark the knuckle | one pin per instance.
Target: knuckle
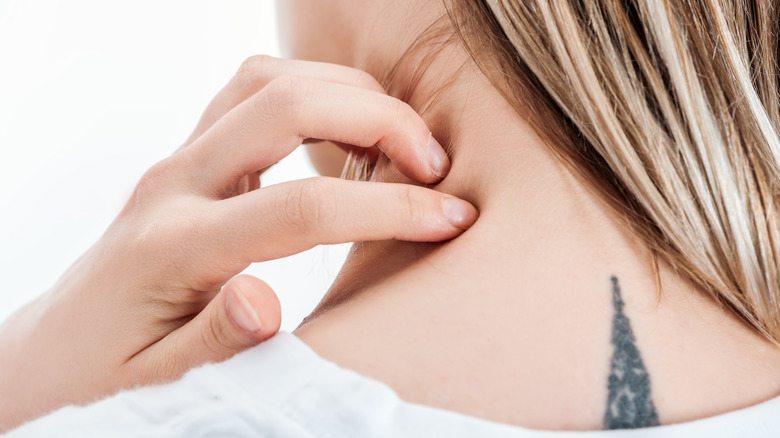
(254, 71)
(404, 121)
(255, 63)
(172, 365)
(215, 336)
(398, 108)
(277, 98)
(167, 236)
(366, 80)
(288, 210)
(153, 181)
(409, 204)
(289, 88)
(401, 115)
(305, 207)
(157, 173)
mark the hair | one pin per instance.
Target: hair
(668, 109)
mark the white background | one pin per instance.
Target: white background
(92, 93)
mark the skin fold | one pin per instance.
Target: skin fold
(517, 320)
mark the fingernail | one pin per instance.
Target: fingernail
(242, 312)
(458, 212)
(440, 163)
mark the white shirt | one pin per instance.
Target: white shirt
(282, 388)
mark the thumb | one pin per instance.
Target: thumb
(244, 313)
(249, 315)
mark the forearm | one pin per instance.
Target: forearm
(44, 366)
(25, 389)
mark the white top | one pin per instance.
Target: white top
(281, 388)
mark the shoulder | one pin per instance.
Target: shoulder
(200, 404)
(205, 402)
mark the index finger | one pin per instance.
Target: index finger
(264, 129)
(258, 71)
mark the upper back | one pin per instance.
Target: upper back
(545, 350)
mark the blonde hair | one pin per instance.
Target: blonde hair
(669, 110)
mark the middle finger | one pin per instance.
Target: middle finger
(267, 127)
(259, 70)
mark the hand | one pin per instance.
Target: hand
(158, 293)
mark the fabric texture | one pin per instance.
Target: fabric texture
(282, 388)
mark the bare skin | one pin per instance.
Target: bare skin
(515, 320)
(159, 293)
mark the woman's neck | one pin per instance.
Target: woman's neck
(528, 200)
(529, 283)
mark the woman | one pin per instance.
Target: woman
(623, 270)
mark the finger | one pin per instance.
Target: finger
(257, 71)
(288, 218)
(254, 180)
(249, 182)
(271, 124)
(245, 313)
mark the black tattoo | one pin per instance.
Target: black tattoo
(629, 404)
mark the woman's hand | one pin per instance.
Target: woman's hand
(158, 293)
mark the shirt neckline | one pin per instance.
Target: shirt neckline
(289, 355)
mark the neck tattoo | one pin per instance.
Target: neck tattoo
(629, 404)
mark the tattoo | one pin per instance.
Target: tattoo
(629, 404)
